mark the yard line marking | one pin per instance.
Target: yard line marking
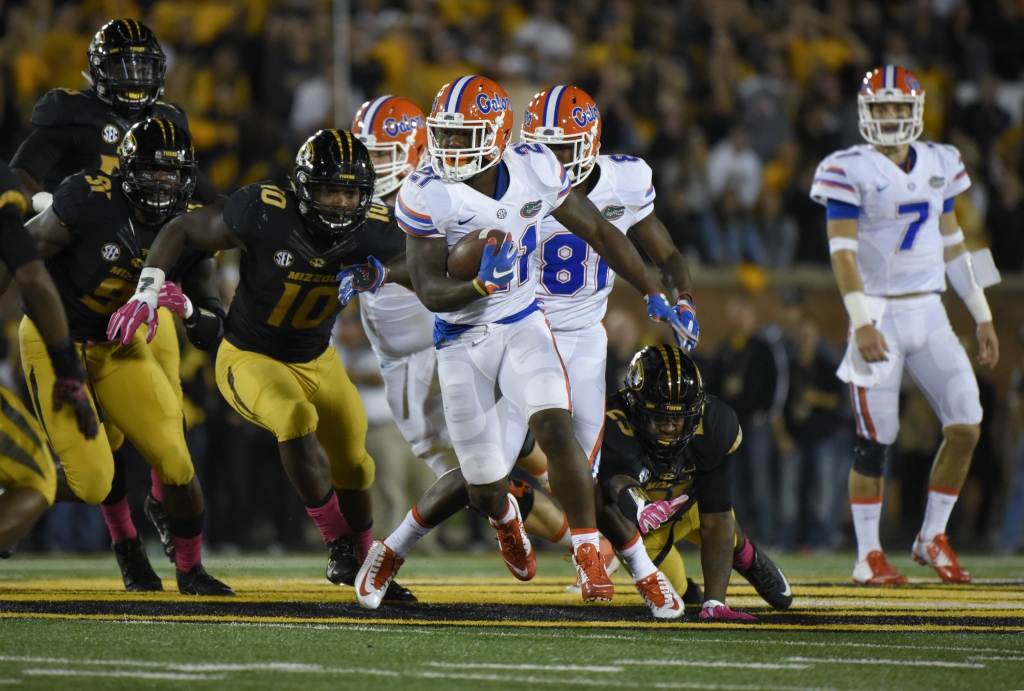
(825, 644)
(696, 663)
(736, 687)
(546, 668)
(10, 681)
(529, 680)
(203, 667)
(120, 674)
(899, 663)
(995, 657)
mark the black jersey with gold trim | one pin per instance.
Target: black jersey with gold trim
(75, 130)
(98, 272)
(287, 296)
(700, 469)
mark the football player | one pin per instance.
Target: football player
(94, 238)
(666, 475)
(276, 366)
(894, 240)
(490, 334)
(78, 130)
(27, 474)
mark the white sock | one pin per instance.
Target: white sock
(405, 537)
(635, 556)
(936, 514)
(542, 478)
(582, 535)
(510, 513)
(564, 538)
(867, 515)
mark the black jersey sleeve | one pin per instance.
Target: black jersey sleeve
(386, 239)
(237, 211)
(72, 198)
(621, 453)
(16, 245)
(205, 193)
(722, 426)
(714, 489)
(41, 150)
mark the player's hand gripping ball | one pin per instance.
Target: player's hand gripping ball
(361, 278)
(465, 257)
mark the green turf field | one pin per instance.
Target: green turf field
(64, 623)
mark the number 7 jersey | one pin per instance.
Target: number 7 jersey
(287, 296)
(900, 248)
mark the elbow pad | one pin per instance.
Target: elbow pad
(205, 328)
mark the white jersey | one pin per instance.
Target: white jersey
(537, 184)
(898, 225)
(573, 282)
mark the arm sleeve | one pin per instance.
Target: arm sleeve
(840, 211)
(68, 200)
(41, 150)
(421, 211)
(17, 247)
(957, 180)
(714, 489)
(832, 181)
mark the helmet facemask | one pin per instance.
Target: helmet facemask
(584, 148)
(891, 131)
(391, 173)
(331, 219)
(129, 82)
(159, 190)
(460, 164)
(664, 448)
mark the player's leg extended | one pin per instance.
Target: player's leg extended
(943, 371)
(585, 352)
(27, 474)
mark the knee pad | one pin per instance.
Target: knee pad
(869, 457)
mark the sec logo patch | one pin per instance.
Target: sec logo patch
(111, 134)
(502, 213)
(317, 263)
(284, 259)
(111, 252)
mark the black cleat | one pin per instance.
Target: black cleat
(136, 571)
(694, 596)
(9, 552)
(343, 560)
(154, 511)
(768, 580)
(198, 582)
(397, 594)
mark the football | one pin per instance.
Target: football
(464, 258)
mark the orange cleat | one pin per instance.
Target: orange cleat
(594, 581)
(611, 563)
(660, 596)
(515, 545)
(376, 574)
(875, 570)
(941, 557)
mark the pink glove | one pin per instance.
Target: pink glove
(713, 609)
(173, 299)
(655, 514)
(141, 309)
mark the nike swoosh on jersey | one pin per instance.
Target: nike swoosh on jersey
(883, 187)
(499, 274)
(462, 223)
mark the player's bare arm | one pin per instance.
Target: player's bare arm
(426, 259)
(716, 535)
(656, 241)
(203, 229)
(957, 257)
(842, 235)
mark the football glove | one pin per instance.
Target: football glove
(713, 609)
(654, 515)
(497, 269)
(687, 313)
(74, 393)
(173, 299)
(361, 278)
(659, 310)
(141, 309)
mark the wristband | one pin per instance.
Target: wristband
(857, 308)
(977, 305)
(479, 287)
(954, 239)
(151, 280)
(41, 201)
(837, 244)
(66, 364)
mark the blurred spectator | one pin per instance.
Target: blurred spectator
(779, 231)
(543, 34)
(1005, 222)
(983, 120)
(728, 231)
(623, 343)
(763, 103)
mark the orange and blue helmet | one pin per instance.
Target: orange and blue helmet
(391, 126)
(891, 84)
(565, 115)
(475, 106)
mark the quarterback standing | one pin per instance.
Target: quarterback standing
(894, 240)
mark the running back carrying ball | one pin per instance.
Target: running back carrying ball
(464, 259)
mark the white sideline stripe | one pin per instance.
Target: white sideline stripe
(898, 604)
(736, 687)
(995, 657)
(898, 663)
(697, 663)
(529, 680)
(826, 644)
(121, 674)
(201, 667)
(9, 681)
(546, 668)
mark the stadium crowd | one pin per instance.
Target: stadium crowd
(732, 102)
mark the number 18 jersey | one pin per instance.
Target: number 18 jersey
(573, 282)
(900, 248)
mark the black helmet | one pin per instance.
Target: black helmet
(127, 66)
(662, 381)
(147, 148)
(333, 158)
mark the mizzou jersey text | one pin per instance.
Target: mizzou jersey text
(98, 272)
(287, 294)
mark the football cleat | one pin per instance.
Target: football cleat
(875, 570)
(342, 560)
(941, 557)
(154, 511)
(693, 596)
(594, 581)
(376, 574)
(515, 545)
(611, 563)
(660, 596)
(768, 580)
(198, 582)
(136, 571)
(9, 552)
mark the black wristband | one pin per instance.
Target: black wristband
(632, 499)
(205, 328)
(66, 364)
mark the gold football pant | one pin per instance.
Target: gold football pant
(135, 396)
(293, 399)
(660, 546)
(24, 459)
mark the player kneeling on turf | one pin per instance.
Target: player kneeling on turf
(666, 474)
